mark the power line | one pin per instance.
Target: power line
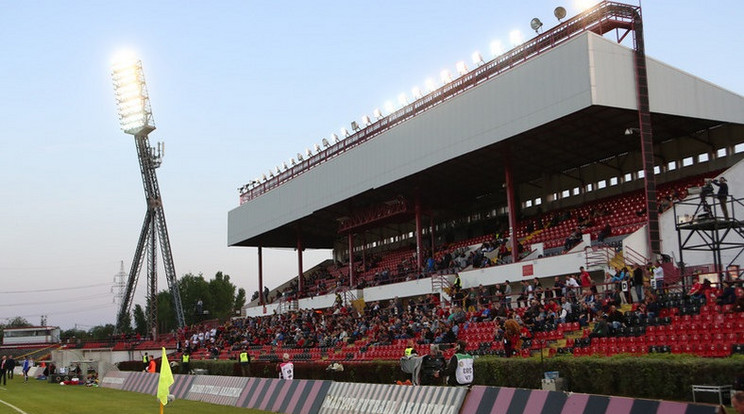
(59, 289)
(66, 300)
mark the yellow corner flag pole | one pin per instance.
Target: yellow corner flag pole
(165, 381)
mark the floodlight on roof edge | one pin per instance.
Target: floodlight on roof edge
(559, 13)
(477, 58)
(536, 24)
(366, 121)
(497, 48)
(132, 99)
(461, 67)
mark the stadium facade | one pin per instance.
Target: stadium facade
(551, 132)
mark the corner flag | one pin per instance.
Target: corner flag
(165, 381)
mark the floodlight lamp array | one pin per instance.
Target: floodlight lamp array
(133, 102)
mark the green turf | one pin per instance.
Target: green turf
(40, 397)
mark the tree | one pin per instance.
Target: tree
(166, 313)
(140, 320)
(239, 301)
(101, 332)
(192, 289)
(222, 293)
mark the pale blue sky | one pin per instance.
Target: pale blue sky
(237, 87)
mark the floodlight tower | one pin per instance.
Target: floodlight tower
(135, 117)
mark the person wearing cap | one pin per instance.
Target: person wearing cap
(722, 195)
(285, 368)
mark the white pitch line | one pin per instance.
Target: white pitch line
(13, 407)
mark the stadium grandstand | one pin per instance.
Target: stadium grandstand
(571, 150)
(481, 201)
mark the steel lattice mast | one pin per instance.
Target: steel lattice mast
(135, 116)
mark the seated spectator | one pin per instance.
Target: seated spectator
(601, 328)
(604, 233)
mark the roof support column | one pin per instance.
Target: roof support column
(510, 203)
(261, 298)
(351, 259)
(431, 233)
(417, 208)
(647, 141)
(300, 282)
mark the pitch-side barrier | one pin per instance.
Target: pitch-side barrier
(328, 397)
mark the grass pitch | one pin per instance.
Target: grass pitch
(41, 397)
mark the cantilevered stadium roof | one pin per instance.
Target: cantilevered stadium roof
(566, 108)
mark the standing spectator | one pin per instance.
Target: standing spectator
(185, 364)
(658, 277)
(432, 367)
(9, 366)
(460, 368)
(26, 367)
(638, 282)
(722, 195)
(245, 363)
(2, 368)
(285, 368)
(586, 280)
(145, 361)
(151, 365)
(507, 294)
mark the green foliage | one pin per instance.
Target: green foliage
(101, 332)
(166, 314)
(668, 377)
(239, 301)
(222, 295)
(140, 320)
(73, 333)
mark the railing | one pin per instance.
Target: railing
(602, 18)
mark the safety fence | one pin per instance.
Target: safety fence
(329, 397)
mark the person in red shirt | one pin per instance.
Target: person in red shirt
(586, 280)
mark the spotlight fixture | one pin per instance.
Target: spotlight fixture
(536, 24)
(446, 77)
(416, 92)
(335, 139)
(559, 13)
(308, 152)
(317, 148)
(354, 126)
(300, 157)
(345, 132)
(402, 99)
(326, 143)
(285, 166)
(263, 177)
(477, 58)
(292, 162)
(431, 86)
(389, 107)
(516, 38)
(461, 68)
(366, 121)
(377, 113)
(133, 102)
(497, 48)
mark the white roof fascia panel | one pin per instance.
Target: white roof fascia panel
(536, 92)
(671, 91)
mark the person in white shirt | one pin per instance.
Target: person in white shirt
(285, 368)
